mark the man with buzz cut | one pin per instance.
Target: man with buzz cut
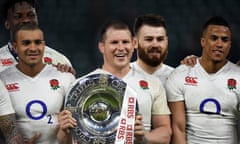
(37, 90)
(204, 99)
(20, 12)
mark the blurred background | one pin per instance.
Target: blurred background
(72, 26)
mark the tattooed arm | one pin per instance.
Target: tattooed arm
(9, 129)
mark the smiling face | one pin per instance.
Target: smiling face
(117, 48)
(29, 46)
(152, 44)
(216, 43)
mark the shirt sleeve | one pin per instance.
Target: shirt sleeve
(174, 86)
(5, 101)
(160, 105)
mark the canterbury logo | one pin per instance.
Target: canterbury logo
(7, 62)
(190, 80)
(12, 87)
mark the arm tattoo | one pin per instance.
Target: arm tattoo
(9, 129)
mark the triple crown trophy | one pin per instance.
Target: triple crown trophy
(104, 107)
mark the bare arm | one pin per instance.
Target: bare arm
(161, 132)
(9, 129)
(65, 68)
(66, 122)
(178, 122)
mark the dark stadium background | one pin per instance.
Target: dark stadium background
(72, 26)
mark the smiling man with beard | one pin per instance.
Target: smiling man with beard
(152, 46)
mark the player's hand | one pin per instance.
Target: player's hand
(138, 128)
(190, 60)
(34, 138)
(65, 68)
(238, 63)
(66, 121)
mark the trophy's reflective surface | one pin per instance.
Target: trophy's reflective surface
(95, 102)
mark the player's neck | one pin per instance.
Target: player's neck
(30, 71)
(147, 68)
(211, 66)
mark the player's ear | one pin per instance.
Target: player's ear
(101, 47)
(135, 42)
(7, 25)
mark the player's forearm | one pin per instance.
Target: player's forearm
(9, 129)
(179, 136)
(160, 135)
(63, 137)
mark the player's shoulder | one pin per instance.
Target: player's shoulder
(139, 75)
(8, 72)
(4, 50)
(56, 56)
(52, 51)
(168, 67)
(182, 69)
(4, 47)
(52, 70)
(232, 66)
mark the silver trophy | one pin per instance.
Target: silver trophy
(95, 102)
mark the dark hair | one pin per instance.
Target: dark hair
(9, 4)
(216, 20)
(27, 26)
(115, 24)
(148, 19)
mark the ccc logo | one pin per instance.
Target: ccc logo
(191, 80)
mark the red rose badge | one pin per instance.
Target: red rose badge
(47, 60)
(143, 84)
(231, 84)
(54, 84)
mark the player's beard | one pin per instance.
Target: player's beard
(152, 61)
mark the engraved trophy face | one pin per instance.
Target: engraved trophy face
(95, 102)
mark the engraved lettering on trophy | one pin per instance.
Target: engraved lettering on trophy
(103, 80)
(82, 87)
(99, 140)
(82, 136)
(118, 86)
(70, 108)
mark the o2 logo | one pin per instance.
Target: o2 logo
(43, 114)
(210, 100)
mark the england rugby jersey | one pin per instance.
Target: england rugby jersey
(5, 101)
(151, 95)
(211, 101)
(37, 101)
(9, 58)
(162, 73)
